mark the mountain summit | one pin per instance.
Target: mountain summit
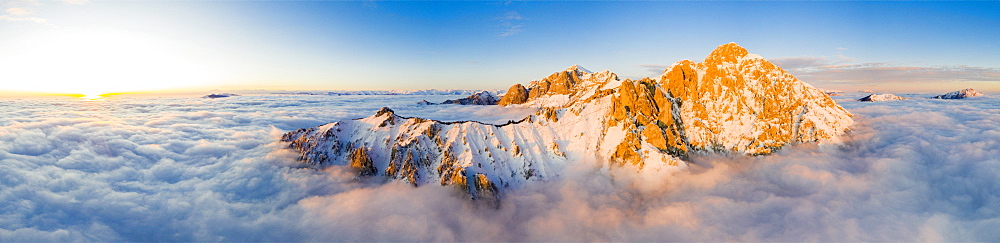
(578, 68)
(961, 94)
(734, 102)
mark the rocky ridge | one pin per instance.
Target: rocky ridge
(734, 102)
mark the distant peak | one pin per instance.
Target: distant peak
(731, 46)
(961, 94)
(578, 68)
(384, 110)
(727, 53)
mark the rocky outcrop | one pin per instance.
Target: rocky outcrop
(517, 94)
(360, 161)
(961, 94)
(880, 97)
(734, 102)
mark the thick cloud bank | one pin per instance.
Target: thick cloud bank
(188, 169)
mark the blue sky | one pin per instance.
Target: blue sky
(904, 46)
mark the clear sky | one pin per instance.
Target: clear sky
(80, 46)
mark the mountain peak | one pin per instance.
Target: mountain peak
(961, 94)
(733, 103)
(384, 110)
(880, 97)
(578, 68)
(730, 52)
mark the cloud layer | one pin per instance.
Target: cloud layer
(189, 169)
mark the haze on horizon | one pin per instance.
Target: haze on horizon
(92, 47)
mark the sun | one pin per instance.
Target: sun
(91, 96)
(99, 61)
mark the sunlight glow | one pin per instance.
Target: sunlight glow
(92, 96)
(93, 62)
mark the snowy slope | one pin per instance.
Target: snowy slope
(420, 151)
(733, 102)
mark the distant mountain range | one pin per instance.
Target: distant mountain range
(392, 92)
(733, 102)
(961, 94)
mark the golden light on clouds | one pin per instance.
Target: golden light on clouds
(17, 11)
(99, 61)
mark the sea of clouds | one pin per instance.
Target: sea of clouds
(193, 169)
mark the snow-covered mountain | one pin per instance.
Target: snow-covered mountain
(961, 94)
(880, 97)
(481, 98)
(734, 102)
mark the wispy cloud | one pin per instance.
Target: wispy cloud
(805, 62)
(25, 10)
(655, 70)
(19, 19)
(842, 70)
(76, 2)
(512, 30)
(510, 22)
(511, 15)
(17, 11)
(371, 4)
(20, 11)
(886, 71)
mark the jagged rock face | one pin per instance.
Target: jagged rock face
(961, 94)
(736, 101)
(557, 83)
(559, 89)
(880, 97)
(648, 116)
(733, 102)
(361, 161)
(517, 94)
